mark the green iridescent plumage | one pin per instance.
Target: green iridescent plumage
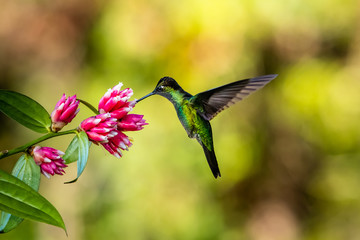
(196, 111)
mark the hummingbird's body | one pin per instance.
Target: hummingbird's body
(195, 112)
(195, 125)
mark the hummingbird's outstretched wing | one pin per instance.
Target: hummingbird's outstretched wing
(217, 99)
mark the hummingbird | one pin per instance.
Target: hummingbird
(196, 111)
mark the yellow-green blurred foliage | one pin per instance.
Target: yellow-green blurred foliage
(289, 154)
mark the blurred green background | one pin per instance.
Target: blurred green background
(289, 154)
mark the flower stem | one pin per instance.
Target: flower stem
(23, 148)
(91, 107)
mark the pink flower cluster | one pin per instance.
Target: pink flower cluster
(49, 160)
(107, 128)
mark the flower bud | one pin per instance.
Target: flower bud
(99, 128)
(118, 142)
(65, 110)
(131, 122)
(49, 160)
(116, 102)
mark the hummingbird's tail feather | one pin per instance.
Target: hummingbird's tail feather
(211, 159)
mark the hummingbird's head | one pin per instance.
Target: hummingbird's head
(166, 84)
(165, 87)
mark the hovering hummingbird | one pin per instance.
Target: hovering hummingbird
(195, 112)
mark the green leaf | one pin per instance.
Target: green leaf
(72, 152)
(25, 111)
(19, 199)
(78, 150)
(26, 170)
(83, 152)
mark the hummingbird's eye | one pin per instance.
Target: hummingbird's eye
(161, 87)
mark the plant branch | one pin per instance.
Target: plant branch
(6, 153)
(91, 107)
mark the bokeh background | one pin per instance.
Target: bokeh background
(289, 154)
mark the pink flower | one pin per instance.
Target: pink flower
(131, 122)
(123, 111)
(114, 118)
(116, 102)
(65, 110)
(49, 160)
(100, 128)
(118, 142)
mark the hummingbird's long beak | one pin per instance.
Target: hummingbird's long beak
(152, 93)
